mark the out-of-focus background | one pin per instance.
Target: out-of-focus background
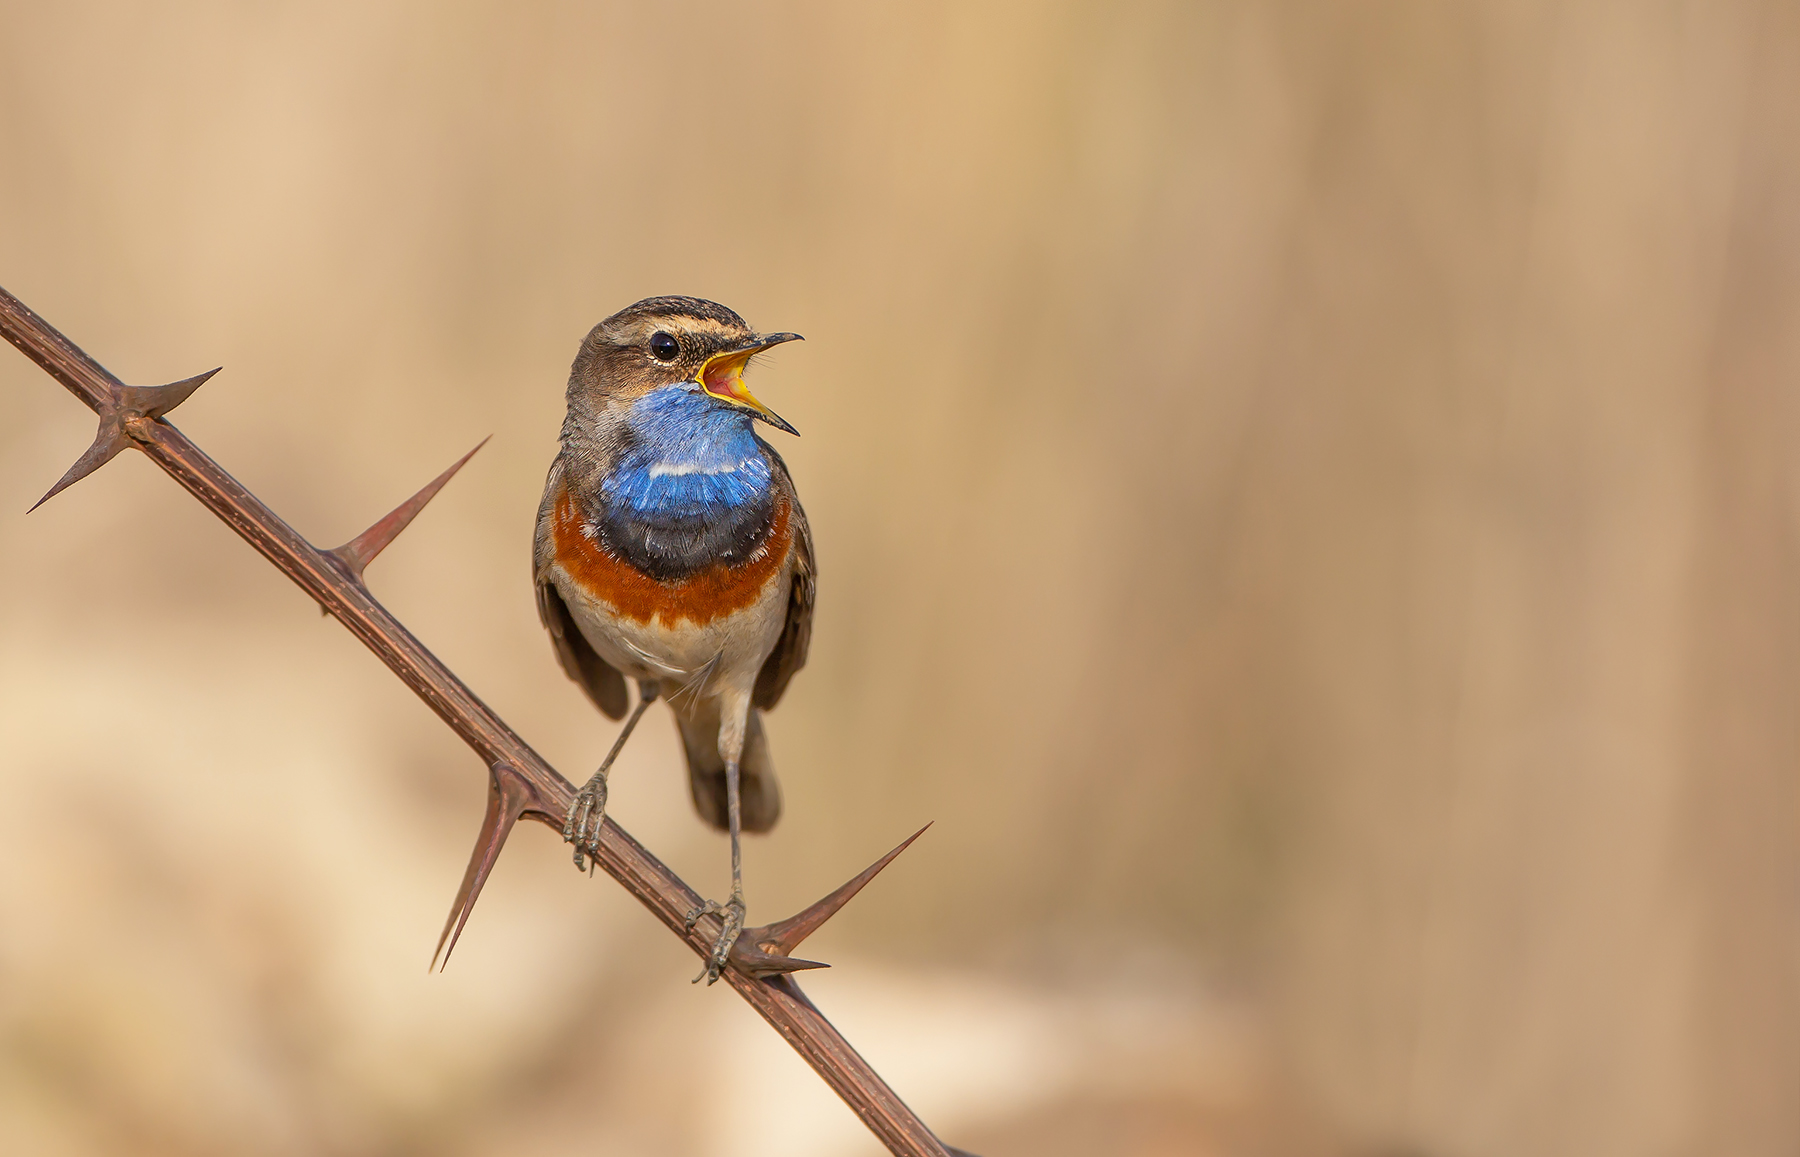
(1305, 497)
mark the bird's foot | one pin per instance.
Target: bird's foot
(731, 913)
(582, 827)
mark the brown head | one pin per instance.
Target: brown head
(661, 341)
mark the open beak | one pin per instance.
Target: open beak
(723, 377)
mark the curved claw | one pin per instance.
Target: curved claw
(710, 908)
(581, 826)
(587, 811)
(731, 927)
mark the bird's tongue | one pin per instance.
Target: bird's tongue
(724, 378)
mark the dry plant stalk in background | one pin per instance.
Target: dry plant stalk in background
(522, 785)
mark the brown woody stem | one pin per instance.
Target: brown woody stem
(777, 998)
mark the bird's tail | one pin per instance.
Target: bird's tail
(758, 792)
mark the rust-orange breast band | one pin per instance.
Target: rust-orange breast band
(698, 598)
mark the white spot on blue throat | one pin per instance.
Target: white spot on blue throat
(675, 469)
(691, 454)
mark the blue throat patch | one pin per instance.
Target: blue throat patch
(690, 456)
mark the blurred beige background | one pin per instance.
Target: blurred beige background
(1305, 495)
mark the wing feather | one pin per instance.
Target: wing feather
(602, 681)
(789, 654)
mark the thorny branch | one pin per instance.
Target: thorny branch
(521, 785)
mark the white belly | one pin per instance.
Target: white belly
(728, 651)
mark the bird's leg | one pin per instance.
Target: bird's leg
(588, 810)
(732, 911)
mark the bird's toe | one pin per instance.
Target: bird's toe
(731, 916)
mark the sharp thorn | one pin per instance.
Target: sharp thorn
(107, 443)
(360, 551)
(509, 797)
(765, 951)
(787, 934)
(128, 402)
(155, 401)
(762, 965)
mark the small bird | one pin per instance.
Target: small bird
(671, 548)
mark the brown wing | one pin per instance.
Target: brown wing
(789, 654)
(602, 682)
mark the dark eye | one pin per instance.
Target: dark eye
(663, 347)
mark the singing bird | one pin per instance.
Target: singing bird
(671, 548)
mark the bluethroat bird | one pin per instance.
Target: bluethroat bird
(671, 548)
